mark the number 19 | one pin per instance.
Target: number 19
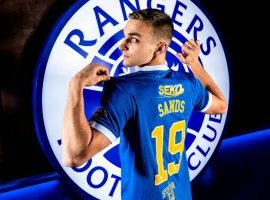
(173, 149)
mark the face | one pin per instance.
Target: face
(139, 45)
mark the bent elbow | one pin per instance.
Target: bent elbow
(219, 107)
(70, 159)
(223, 107)
(72, 162)
(68, 162)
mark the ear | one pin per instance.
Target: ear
(161, 48)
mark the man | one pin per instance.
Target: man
(149, 110)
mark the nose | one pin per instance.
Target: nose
(123, 45)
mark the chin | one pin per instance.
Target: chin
(127, 64)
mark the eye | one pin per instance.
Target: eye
(134, 40)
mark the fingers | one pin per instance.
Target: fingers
(102, 69)
(186, 50)
(196, 43)
(189, 47)
(192, 44)
(190, 52)
(92, 74)
(103, 77)
(102, 73)
(181, 57)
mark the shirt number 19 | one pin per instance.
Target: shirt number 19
(173, 149)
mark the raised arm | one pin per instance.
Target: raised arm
(79, 141)
(189, 56)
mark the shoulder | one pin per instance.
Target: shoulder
(127, 81)
(117, 82)
(182, 75)
(116, 85)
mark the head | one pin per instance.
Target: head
(148, 34)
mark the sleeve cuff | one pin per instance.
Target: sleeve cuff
(208, 104)
(106, 132)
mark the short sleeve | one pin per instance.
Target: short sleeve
(203, 98)
(115, 110)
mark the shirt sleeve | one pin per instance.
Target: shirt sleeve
(115, 110)
(203, 98)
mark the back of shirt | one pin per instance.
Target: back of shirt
(150, 110)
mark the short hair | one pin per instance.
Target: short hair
(159, 20)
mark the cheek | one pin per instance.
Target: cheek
(145, 52)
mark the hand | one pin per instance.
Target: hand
(190, 52)
(91, 75)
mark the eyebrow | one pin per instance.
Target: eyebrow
(134, 34)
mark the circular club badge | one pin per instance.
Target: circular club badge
(91, 31)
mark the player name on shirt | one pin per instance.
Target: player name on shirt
(172, 105)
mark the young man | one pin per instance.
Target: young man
(149, 110)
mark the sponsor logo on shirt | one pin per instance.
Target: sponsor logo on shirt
(91, 31)
(171, 90)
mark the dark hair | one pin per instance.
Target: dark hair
(159, 20)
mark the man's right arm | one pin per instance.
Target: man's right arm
(80, 142)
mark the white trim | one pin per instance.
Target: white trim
(106, 132)
(152, 68)
(96, 88)
(208, 104)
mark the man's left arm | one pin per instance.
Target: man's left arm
(190, 56)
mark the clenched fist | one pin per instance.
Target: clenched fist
(91, 75)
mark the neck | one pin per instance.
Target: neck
(155, 61)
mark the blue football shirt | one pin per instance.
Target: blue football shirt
(149, 110)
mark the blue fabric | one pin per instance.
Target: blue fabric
(150, 110)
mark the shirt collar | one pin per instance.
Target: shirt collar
(151, 68)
